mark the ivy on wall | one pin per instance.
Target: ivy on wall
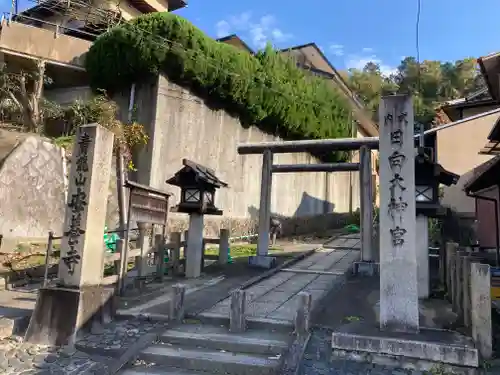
(266, 89)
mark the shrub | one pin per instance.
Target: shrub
(265, 89)
(100, 109)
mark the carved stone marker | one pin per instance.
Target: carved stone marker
(303, 314)
(223, 246)
(398, 258)
(480, 281)
(177, 302)
(61, 311)
(467, 309)
(237, 314)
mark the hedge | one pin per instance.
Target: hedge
(266, 89)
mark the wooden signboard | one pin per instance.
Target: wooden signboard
(147, 207)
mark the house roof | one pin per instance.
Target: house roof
(484, 176)
(490, 69)
(236, 41)
(480, 98)
(322, 66)
(492, 147)
(202, 173)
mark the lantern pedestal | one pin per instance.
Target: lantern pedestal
(194, 246)
(262, 261)
(423, 256)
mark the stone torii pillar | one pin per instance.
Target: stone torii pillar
(62, 310)
(366, 204)
(262, 259)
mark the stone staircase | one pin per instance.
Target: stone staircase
(198, 349)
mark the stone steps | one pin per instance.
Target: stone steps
(219, 338)
(197, 349)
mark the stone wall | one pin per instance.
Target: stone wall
(32, 190)
(181, 125)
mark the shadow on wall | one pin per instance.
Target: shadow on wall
(305, 222)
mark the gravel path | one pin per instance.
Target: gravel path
(17, 358)
(93, 354)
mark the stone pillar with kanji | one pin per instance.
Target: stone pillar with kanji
(76, 297)
(81, 248)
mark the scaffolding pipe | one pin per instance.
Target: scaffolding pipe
(329, 167)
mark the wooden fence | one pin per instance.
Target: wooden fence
(149, 261)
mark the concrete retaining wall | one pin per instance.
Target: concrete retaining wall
(181, 125)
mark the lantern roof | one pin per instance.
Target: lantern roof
(442, 175)
(197, 173)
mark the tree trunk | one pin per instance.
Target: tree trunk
(32, 116)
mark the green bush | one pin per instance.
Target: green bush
(266, 90)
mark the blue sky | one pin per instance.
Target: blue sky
(352, 32)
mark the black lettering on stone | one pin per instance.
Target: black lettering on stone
(77, 203)
(397, 235)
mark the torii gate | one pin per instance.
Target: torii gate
(267, 149)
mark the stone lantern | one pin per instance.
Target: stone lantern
(428, 176)
(198, 185)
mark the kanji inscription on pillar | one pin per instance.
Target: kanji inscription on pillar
(82, 244)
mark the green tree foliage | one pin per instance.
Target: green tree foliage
(267, 89)
(431, 85)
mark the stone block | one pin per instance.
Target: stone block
(223, 246)
(13, 325)
(60, 314)
(237, 313)
(451, 248)
(458, 291)
(177, 302)
(262, 261)
(303, 314)
(480, 281)
(423, 350)
(366, 269)
(467, 307)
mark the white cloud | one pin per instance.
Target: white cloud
(367, 50)
(359, 62)
(337, 49)
(260, 32)
(222, 29)
(241, 21)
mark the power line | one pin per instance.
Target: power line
(419, 68)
